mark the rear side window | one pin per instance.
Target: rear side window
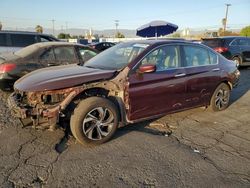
(196, 56)
(213, 43)
(22, 40)
(3, 41)
(243, 42)
(64, 53)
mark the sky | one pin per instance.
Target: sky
(100, 15)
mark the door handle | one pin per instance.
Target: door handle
(216, 69)
(180, 75)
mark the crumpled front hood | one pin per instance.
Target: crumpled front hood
(60, 77)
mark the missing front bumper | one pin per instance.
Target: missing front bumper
(38, 118)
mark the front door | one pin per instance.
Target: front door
(159, 92)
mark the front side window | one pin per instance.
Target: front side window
(86, 54)
(195, 56)
(64, 53)
(163, 58)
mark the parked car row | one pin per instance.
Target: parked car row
(15, 65)
(130, 82)
(233, 48)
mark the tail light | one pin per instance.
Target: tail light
(7, 67)
(221, 49)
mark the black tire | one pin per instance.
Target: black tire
(237, 60)
(88, 120)
(220, 98)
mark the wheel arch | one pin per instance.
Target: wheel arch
(98, 92)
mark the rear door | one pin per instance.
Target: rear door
(161, 91)
(202, 74)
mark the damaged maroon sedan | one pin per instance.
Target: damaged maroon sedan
(131, 82)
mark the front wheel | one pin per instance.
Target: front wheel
(94, 121)
(220, 98)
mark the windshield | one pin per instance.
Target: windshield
(116, 57)
(26, 51)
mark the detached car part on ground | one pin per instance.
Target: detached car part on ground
(128, 83)
(46, 54)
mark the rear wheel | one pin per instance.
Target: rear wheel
(220, 98)
(237, 60)
(94, 121)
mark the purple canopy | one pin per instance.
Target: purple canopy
(156, 28)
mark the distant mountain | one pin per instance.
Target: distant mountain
(76, 31)
(106, 32)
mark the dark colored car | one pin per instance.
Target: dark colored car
(101, 46)
(11, 41)
(15, 65)
(128, 83)
(232, 47)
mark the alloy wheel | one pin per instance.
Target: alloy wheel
(222, 98)
(98, 123)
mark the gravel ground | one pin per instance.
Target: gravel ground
(195, 148)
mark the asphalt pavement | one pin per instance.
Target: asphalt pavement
(195, 148)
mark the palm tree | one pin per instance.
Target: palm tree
(39, 29)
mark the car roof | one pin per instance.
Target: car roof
(56, 43)
(24, 32)
(95, 43)
(161, 41)
(225, 37)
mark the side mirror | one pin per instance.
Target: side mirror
(147, 68)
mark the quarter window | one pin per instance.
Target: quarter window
(164, 58)
(196, 56)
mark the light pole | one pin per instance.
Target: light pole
(116, 26)
(225, 20)
(53, 26)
